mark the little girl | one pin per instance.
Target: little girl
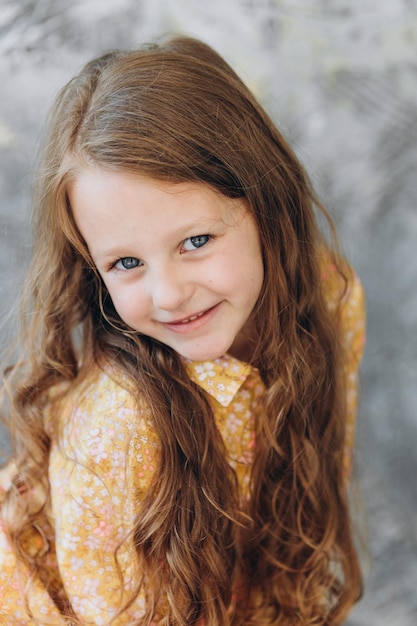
(183, 411)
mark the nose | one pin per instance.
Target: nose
(169, 287)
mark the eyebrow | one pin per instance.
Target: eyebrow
(197, 225)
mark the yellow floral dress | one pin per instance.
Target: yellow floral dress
(105, 463)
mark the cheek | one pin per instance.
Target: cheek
(129, 305)
(259, 274)
(242, 281)
(253, 277)
(253, 287)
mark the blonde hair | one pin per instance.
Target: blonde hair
(178, 112)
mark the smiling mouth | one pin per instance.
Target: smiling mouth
(193, 321)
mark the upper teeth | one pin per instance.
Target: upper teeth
(192, 318)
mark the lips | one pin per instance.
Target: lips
(193, 322)
(190, 319)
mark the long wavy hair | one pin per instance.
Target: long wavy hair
(177, 112)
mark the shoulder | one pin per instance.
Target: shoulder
(340, 282)
(105, 430)
(97, 386)
(344, 295)
(104, 397)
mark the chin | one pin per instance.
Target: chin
(207, 354)
(202, 356)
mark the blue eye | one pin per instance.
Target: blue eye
(127, 263)
(192, 243)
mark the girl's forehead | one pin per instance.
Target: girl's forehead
(99, 195)
(119, 183)
(103, 175)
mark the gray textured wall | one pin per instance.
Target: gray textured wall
(340, 79)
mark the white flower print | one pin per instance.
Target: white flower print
(68, 541)
(204, 370)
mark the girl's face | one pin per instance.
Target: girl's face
(182, 263)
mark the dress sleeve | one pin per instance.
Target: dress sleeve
(13, 578)
(99, 474)
(99, 471)
(348, 301)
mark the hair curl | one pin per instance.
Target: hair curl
(177, 112)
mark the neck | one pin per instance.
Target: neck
(244, 345)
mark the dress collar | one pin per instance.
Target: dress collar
(221, 378)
